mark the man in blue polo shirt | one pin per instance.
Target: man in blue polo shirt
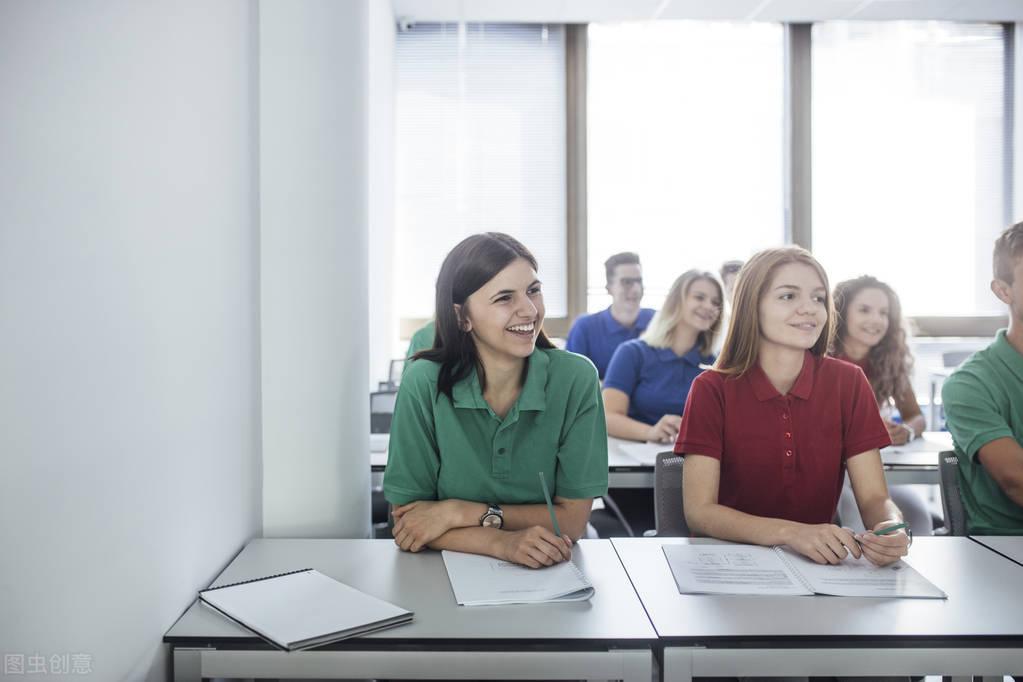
(598, 335)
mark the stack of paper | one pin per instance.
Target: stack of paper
(750, 569)
(480, 580)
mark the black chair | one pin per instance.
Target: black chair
(381, 408)
(669, 514)
(951, 495)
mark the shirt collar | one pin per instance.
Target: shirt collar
(763, 389)
(1004, 351)
(612, 326)
(692, 357)
(468, 394)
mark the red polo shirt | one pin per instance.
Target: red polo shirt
(783, 456)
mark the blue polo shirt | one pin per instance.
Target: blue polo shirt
(598, 335)
(656, 380)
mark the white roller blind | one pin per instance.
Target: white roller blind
(907, 158)
(480, 137)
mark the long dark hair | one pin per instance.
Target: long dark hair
(890, 361)
(471, 264)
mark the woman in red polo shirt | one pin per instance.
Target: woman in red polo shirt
(769, 433)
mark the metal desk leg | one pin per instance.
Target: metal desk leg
(678, 664)
(187, 664)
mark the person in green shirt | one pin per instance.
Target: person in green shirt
(422, 339)
(983, 402)
(489, 407)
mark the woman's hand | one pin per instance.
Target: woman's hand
(534, 547)
(419, 523)
(665, 430)
(824, 543)
(899, 433)
(882, 550)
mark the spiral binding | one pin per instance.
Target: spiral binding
(255, 580)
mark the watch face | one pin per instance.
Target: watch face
(492, 521)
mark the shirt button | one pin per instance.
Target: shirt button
(500, 451)
(788, 453)
(784, 415)
(788, 434)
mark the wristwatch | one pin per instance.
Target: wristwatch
(493, 518)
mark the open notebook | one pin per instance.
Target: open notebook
(481, 581)
(302, 609)
(750, 569)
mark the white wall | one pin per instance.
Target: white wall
(129, 446)
(314, 293)
(383, 326)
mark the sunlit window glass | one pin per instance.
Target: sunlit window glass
(907, 158)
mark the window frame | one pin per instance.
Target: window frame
(797, 172)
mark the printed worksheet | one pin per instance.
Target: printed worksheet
(645, 453)
(731, 569)
(860, 578)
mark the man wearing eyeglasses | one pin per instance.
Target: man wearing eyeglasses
(598, 335)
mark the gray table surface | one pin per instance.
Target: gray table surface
(1010, 546)
(419, 582)
(984, 601)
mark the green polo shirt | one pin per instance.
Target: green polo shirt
(422, 339)
(984, 402)
(443, 449)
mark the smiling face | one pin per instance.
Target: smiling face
(793, 309)
(626, 286)
(701, 306)
(505, 315)
(866, 318)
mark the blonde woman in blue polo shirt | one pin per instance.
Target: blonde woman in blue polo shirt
(648, 379)
(485, 410)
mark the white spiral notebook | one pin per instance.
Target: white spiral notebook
(482, 581)
(302, 609)
(751, 569)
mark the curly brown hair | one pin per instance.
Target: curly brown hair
(890, 361)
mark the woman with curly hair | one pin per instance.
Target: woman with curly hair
(869, 334)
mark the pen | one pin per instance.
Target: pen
(888, 530)
(550, 505)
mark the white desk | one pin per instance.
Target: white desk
(978, 630)
(917, 460)
(631, 464)
(1010, 546)
(608, 637)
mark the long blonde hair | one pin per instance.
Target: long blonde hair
(660, 333)
(742, 344)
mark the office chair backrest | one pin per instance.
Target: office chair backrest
(394, 372)
(954, 358)
(381, 408)
(669, 515)
(951, 497)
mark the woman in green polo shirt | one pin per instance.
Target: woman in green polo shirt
(488, 408)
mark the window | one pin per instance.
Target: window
(685, 139)
(907, 158)
(480, 141)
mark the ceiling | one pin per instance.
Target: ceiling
(584, 11)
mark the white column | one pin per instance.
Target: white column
(313, 210)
